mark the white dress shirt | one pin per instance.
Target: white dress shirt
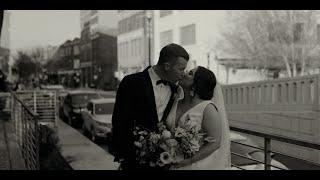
(162, 93)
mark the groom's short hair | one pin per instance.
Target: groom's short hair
(171, 52)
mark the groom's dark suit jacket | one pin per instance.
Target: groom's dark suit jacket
(135, 105)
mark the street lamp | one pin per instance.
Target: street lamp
(149, 35)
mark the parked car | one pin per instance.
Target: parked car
(52, 87)
(97, 118)
(75, 102)
(249, 152)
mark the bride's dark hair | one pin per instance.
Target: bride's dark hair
(204, 83)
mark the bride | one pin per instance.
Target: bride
(200, 100)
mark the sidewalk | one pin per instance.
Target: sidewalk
(10, 157)
(4, 155)
(81, 153)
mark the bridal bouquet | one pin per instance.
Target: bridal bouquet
(164, 148)
(155, 149)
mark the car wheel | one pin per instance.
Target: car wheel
(109, 138)
(93, 135)
(84, 130)
(69, 121)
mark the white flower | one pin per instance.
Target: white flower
(166, 134)
(171, 142)
(154, 138)
(180, 132)
(138, 144)
(164, 146)
(166, 158)
(194, 145)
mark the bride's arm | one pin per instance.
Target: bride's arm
(212, 126)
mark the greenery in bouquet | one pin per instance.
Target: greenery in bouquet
(155, 149)
(163, 148)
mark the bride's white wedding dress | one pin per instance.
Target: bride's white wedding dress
(219, 159)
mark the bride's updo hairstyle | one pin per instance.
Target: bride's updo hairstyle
(204, 83)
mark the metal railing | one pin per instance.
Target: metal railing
(267, 147)
(27, 132)
(43, 102)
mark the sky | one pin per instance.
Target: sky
(31, 28)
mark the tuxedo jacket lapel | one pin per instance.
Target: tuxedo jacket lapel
(150, 96)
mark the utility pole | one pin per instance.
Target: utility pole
(149, 17)
(208, 58)
(149, 39)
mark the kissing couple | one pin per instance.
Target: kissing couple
(165, 93)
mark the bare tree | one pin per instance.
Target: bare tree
(37, 56)
(286, 39)
(23, 66)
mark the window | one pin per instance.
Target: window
(165, 38)
(126, 53)
(124, 49)
(94, 20)
(278, 31)
(129, 49)
(297, 32)
(105, 108)
(165, 13)
(139, 46)
(120, 50)
(318, 33)
(131, 23)
(93, 12)
(271, 33)
(133, 47)
(188, 35)
(120, 25)
(140, 20)
(76, 50)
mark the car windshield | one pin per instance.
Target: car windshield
(83, 98)
(105, 108)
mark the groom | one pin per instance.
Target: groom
(142, 100)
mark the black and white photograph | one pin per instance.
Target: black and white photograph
(164, 90)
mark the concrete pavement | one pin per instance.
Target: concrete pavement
(10, 156)
(82, 154)
(4, 153)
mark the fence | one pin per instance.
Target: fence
(287, 107)
(27, 132)
(267, 146)
(44, 103)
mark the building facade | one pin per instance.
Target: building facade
(5, 44)
(135, 41)
(199, 32)
(64, 65)
(5, 32)
(98, 52)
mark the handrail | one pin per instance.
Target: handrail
(27, 132)
(277, 138)
(267, 145)
(24, 106)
